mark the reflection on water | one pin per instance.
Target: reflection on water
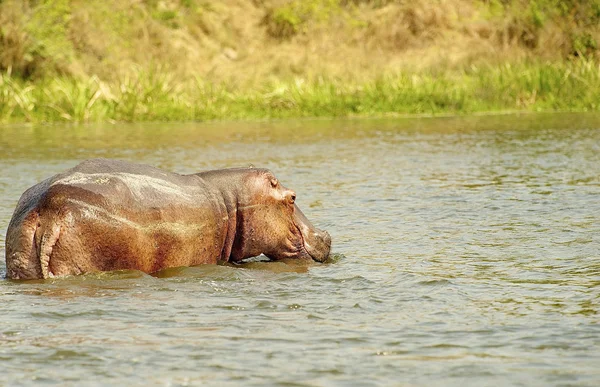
(466, 251)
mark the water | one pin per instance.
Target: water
(466, 252)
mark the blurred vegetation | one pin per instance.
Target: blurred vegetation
(135, 60)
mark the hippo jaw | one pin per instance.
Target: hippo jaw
(301, 241)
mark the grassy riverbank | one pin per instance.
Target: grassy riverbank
(159, 97)
(71, 60)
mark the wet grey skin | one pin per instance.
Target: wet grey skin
(107, 215)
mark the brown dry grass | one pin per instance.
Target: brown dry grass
(242, 41)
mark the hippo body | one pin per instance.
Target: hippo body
(111, 215)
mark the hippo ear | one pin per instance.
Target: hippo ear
(251, 166)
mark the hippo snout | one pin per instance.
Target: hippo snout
(320, 245)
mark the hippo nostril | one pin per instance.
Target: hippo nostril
(291, 196)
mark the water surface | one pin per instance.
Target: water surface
(466, 252)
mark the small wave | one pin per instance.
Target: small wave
(435, 283)
(334, 258)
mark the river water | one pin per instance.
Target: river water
(466, 252)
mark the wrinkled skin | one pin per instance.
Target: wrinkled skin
(112, 215)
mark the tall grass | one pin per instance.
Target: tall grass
(160, 96)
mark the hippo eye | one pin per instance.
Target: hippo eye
(274, 183)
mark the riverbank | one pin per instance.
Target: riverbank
(180, 60)
(160, 96)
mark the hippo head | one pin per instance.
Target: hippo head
(269, 222)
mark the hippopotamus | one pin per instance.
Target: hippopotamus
(105, 215)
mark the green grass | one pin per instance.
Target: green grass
(159, 96)
(62, 60)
